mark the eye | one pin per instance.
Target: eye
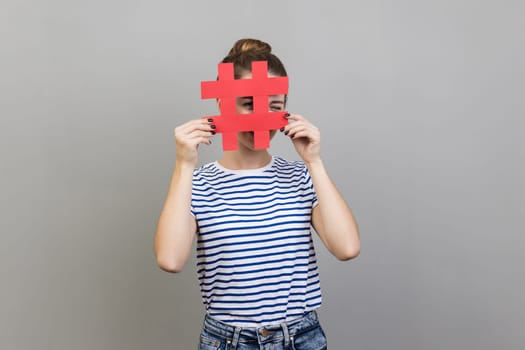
(276, 108)
(248, 105)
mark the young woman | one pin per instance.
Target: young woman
(252, 213)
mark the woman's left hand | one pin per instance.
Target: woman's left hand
(305, 136)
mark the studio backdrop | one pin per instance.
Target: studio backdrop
(421, 109)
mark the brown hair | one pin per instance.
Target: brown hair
(245, 51)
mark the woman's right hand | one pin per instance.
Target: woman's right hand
(189, 136)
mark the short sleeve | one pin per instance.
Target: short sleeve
(194, 179)
(310, 187)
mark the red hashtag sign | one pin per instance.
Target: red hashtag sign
(260, 86)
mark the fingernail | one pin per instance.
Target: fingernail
(287, 115)
(282, 129)
(286, 133)
(212, 126)
(213, 132)
(210, 120)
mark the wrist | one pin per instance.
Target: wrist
(184, 165)
(313, 163)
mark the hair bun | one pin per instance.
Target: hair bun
(252, 45)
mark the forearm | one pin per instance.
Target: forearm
(332, 218)
(176, 226)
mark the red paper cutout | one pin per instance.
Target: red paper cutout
(260, 86)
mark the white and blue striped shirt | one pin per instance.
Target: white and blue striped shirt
(255, 256)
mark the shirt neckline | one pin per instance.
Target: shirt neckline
(245, 171)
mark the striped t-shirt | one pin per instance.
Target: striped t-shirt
(255, 256)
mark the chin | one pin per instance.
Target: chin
(246, 140)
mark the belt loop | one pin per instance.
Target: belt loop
(286, 336)
(236, 335)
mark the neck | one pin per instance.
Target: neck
(245, 159)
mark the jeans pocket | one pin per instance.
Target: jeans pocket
(312, 339)
(207, 342)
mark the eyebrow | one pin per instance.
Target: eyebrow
(250, 98)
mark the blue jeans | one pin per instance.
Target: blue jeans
(304, 333)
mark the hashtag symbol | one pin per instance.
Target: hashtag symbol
(260, 86)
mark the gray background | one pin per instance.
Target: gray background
(421, 107)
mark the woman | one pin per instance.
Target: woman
(252, 214)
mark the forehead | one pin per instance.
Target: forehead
(276, 98)
(248, 75)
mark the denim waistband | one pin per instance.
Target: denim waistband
(261, 335)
